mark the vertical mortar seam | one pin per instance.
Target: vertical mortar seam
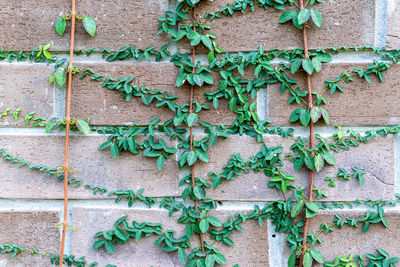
(381, 17)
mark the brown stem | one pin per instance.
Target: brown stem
(311, 172)
(67, 120)
(191, 131)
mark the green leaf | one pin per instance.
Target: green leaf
(319, 162)
(316, 17)
(182, 255)
(83, 127)
(295, 115)
(305, 117)
(206, 77)
(114, 150)
(312, 206)
(199, 192)
(292, 260)
(52, 124)
(90, 25)
(202, 155)
(160, 162)
(317, 256)
(219, 258)
(315, 114)
(209, 261)
(109, 247)
(287, 16)
(189, 231)
(192, 158)
(307, 66)
(295, 66)
(303, 16)
(206, 41)
(60, 76)
(214, 221)
(60, 26)
(192, 119)
(297, 208)
(325, 115)
(98, 243)
(329, 158)
(203, 225)
(317, 64)
(324, 58)
(307, 260)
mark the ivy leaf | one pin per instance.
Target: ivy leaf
(305, 117)
(329, 158)
(182, 255)
(114, 150)
(60, 26)
(61, 79)
(52, 124)
(317, 256)
(203, 225)
(307, 66)
(315, 114)
(303, 16)
(317, 64)
(325, 115)
(202, 155)
(209, 261)
(295, 66)
(296, 208)
(206, 41)
(292, 260)
(287, 16)
(312, 206)
(160, 162)
(214, 221)
(191, 158)
(319, 162)
(109, 247)
(307, 260)
(192, 119)
(83, 127)
(199, 192)
(316, 17)
(90, 25)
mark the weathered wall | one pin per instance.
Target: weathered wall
(30, 205)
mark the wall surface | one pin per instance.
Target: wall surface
(31, 205)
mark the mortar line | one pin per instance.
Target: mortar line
(381, 17)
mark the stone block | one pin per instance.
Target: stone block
(119, 23)
(93, 166)
(25, 86)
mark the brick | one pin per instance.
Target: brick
(95, 167)
(348, 240)
(250, 246)
(261, 27)
(393, 26)
(119, 23)
(377, 158)
(361, 104)
(107, 107)
(91, 220)
(30, 229)
(25, 86)
(250, 249)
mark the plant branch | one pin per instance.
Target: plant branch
(67, 119)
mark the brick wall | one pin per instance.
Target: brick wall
(30, 205)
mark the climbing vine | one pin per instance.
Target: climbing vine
(229, 73)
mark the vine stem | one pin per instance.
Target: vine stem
(311, 172)
(191, 131)
(67, 126)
